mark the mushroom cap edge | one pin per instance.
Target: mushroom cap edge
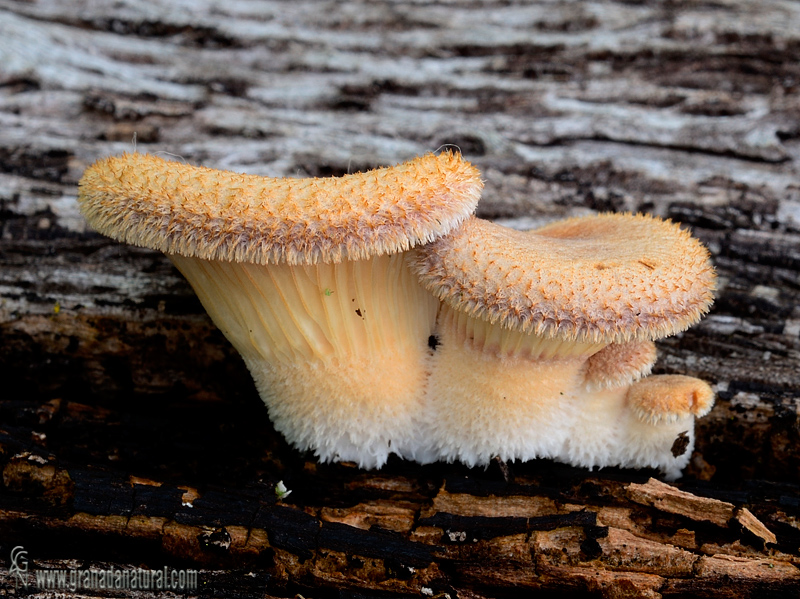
(601, 278)
(210, 214)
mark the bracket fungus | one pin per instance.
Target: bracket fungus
(545, 337)
(307, 280)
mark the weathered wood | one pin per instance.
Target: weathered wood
(130, 429)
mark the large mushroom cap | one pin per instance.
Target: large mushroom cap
(220, 215)
(611, 277)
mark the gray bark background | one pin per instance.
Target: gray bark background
(118, 396)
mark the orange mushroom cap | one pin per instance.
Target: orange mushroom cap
(220, 215)
(605, 278)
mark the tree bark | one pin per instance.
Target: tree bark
(130, 431)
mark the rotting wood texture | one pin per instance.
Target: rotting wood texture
(130, 432)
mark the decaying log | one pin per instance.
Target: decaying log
(551, 527)
(130, 432)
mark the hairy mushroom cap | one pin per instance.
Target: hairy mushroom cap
(605, 278)
(669, 398)
(220, 215)
(659, 422)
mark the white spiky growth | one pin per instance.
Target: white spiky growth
(609, 429)
(667, 447)
(496, 392)
(339, 352)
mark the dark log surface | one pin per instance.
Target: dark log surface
(130, 432)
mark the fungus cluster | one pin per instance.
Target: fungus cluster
(331, 289)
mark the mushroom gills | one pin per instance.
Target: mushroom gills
(493, 339)
(339, 352)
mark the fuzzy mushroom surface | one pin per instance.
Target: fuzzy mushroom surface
(545, 337)
(307, 280)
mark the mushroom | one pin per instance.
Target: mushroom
(544, 337)
(307, 280)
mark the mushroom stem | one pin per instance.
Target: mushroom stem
(649, 424)
(326, 342)
(498, 392)
(594, 435)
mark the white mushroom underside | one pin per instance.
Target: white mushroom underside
(499, 393)
(339, 352)
(340, 356)
(606, 431)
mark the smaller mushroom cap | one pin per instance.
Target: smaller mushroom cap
(620, 364)
(220, 215)
(670, 398)
(605, 278)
